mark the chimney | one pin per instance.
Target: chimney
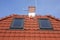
(31, 10)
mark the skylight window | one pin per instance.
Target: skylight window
(45, 24)
(17, 23)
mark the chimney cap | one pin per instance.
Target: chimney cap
(31, 9)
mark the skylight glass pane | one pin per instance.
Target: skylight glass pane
(44, 24)
(17, 23)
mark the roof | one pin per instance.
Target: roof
(31, 29)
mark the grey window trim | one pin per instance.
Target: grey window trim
(45, 28)
(22, 26)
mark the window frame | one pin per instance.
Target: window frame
(18, 27)
(42, 27)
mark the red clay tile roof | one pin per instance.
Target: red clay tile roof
(31, 29)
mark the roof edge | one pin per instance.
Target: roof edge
(53, 17)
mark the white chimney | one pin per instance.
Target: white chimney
(31, 10)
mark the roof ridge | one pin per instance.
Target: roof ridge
(8, 16)
(53, 17)
(36, 15)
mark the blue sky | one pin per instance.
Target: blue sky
(43, 7)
